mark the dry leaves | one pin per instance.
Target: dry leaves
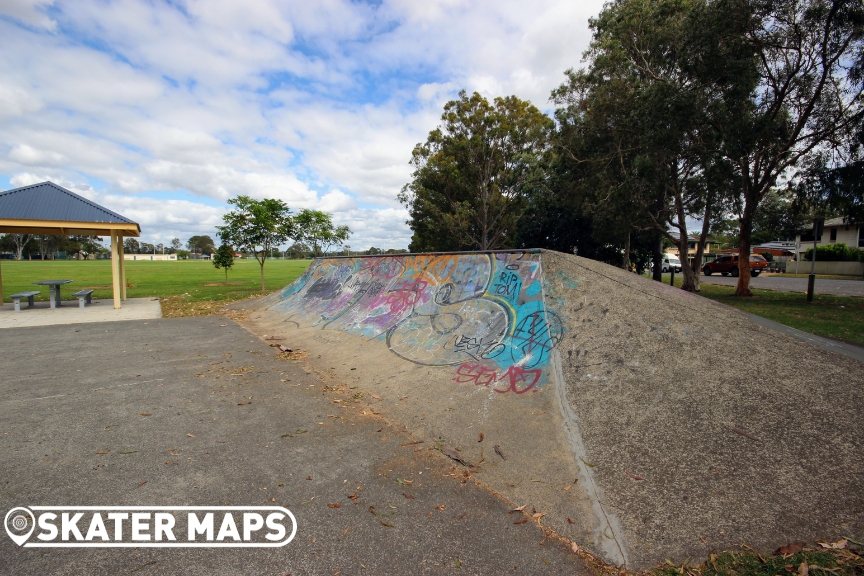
(789, 549)
(334, 505)
(499, 452)
(480, 437)
(521, 521)
(635, 477)
(451, 453)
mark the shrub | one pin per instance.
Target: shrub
(838, 252)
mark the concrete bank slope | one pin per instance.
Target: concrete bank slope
(641, 421)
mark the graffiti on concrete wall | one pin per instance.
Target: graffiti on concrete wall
(482, 313)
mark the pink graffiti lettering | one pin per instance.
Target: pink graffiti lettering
(405, 294)
(516, 379)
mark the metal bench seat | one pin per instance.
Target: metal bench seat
(16, 299)
(83, 297)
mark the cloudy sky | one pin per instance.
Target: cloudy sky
(162, 110)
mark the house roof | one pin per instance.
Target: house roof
(47, 208)
(832, 222)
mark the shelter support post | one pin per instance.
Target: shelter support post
(115, 268)
(1, 286)
(122, 267)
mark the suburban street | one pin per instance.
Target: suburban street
(781, 284)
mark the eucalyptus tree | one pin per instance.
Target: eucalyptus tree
(472, 175)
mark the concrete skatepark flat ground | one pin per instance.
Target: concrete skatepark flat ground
(189, 375)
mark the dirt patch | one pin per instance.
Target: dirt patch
(223, 284)
(184, 306)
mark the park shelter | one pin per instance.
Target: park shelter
(47, 208)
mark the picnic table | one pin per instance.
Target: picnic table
(54, 290)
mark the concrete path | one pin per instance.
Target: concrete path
(782, 284)
(195, 411)
(41, 314)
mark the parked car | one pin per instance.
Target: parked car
(669, 263)
(726, 265)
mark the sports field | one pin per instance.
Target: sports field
(191, 281)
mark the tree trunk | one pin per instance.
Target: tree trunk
(262, 274)
(657, 257)
(744, 241)
(226, 275)
(700, 246)
(626, 264)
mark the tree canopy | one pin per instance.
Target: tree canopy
(257, 226)
(316, 228)
(472, 175)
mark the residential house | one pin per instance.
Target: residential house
(836, 230)
(692, 243)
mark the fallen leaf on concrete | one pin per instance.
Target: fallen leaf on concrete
(574, 547)
(569, 521)
(142, 483)
(170, 463)
(375, 396)
(403, 398)
(521, 521)
(285, 348)
(480, 437)
(789, 549)
(499, 452)
(101, 452)
(634, 476)
(352, 497)
(387, 524)
(412, 443)
(409, 496)
(519, 509)
(440, 507)
(745, 434)
(567, 488)
(839, 545)
(334, 505)
(243, 403)
(587, 463)
(455, 456)
(538, 515)
(144, 414)
(190, 435)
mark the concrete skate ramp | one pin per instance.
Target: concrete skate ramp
(644, 422)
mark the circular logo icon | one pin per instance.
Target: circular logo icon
(20, 524)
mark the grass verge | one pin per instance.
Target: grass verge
(184, 287)
(839, 317)
(797, 560)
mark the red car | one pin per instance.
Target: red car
(729, 265)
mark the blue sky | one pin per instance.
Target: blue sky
(162, 111)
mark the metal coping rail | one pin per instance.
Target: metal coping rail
(511, 251)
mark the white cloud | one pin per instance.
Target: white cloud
(316, 103)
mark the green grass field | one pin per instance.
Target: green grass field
(152, 279)
(832, 316)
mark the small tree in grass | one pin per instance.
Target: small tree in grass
(224, 258)
(257, 226)
(316, 228)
